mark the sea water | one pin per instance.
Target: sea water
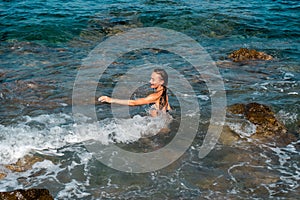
(42, 45)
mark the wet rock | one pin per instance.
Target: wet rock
(237, 168)
(2, 175)
(249, 178)
(267, 125)
(23, 48)
(32, 94)
(98, 29)
(228, 137)
(211, 180)
(245, 54)
(238, 109)
(40, 194)
(118, 25)
(24, 163)
(259, 175)
(92, 35)
(2, 76)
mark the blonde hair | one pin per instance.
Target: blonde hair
(164, 76)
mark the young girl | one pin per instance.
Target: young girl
(159, 99)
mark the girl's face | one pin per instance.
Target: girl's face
(156, 80)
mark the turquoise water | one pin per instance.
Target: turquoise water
(42, 44)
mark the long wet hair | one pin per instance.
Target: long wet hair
(164, 76)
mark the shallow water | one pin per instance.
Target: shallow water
(42, 45)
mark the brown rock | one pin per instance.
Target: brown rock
(264, 118)
(267, 125)
(228, 137)
(250, 177)
(30, 194)
(237, 109)
(2, 175)
(24, 164)
(244, 54)
(2, 75)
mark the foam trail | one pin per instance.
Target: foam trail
(50, 132)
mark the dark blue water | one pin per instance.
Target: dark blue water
(42, 44)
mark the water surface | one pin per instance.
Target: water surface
(42, 44)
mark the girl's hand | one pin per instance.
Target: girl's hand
(104, 99)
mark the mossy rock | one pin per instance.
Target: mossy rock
(244, 54)
(267, 125)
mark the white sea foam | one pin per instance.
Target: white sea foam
(288, 76)
(287, 117)
(241, 126)
(50, 132)
(288, 167)
(203, 97)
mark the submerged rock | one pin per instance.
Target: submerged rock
(40, 194)
(100, 28)
(2, 175)
(268, 127)
(228, 137)
(244, 54)
(24, 164)
(32, 95)
(2, 76)
(235, 168)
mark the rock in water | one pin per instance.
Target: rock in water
(2, 175)
(30, 194)
(24, 163)
(244, 54)
(268, 127)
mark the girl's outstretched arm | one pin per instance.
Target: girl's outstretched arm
(152, 98)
